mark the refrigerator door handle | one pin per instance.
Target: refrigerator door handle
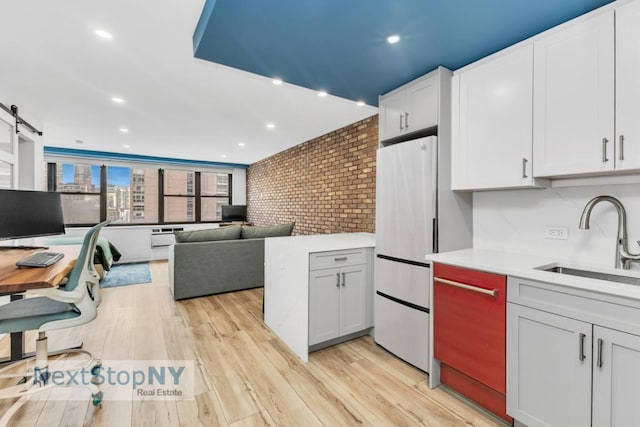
(434, 233)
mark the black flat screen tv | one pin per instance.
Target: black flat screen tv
(30, 214)
(234, 212)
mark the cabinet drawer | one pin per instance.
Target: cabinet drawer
(320, 260)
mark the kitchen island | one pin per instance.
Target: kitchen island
(318, 289)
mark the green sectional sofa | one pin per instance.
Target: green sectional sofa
(225, 259)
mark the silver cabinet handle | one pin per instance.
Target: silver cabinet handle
(406, 120)
(600, 345)
(621, 147)
(344, 280)
(581, 355)
(524, 167)
(491, 292)
(342, 258)
(604, 150)
(338, 282)
(401, 122)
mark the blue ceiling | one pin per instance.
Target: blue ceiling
(340, 45)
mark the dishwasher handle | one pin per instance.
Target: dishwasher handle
(491, 292)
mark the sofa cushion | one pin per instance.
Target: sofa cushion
(272, 231)
(231, 232)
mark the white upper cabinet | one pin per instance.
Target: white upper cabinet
(573, 99)
(627, 141)
(410, 108)
(492, 122)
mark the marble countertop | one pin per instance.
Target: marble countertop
(327, 242)
(528, 267)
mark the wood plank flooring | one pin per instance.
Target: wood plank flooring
(245, 376)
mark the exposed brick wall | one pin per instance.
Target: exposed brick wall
(325, 185)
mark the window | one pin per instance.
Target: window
(179, 196)
(137, 195)
(80, 185)
(214, 192)
(132, 195)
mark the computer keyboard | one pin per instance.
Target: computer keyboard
(40, 259)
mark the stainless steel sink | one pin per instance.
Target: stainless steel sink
(592, 274)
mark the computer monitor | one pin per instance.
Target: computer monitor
(30, 214)
(234, 212)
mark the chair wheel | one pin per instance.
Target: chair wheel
(95, 370)
(97, 398)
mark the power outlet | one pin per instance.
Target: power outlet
(560, 233)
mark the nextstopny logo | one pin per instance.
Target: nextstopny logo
(124, 380)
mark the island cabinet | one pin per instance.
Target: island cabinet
(318, 289)
(573, 357)
(339, 297)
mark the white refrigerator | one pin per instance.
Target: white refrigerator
(406, 230)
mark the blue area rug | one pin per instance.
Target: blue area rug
(127, 274)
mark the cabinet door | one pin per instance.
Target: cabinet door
(627, 86)
(421, 104)
(495, 130)
(392, 109)
(548, 368)
(616, 378)
(353, 301)
(324, 305)
(573, 110)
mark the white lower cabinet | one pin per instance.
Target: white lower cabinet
(570, 362)
(340, 299)
(616, 378)
(550, 381)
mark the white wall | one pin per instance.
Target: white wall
(514, 221)
(134, 241)
(239, 194)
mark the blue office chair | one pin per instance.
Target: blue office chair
(72, 304)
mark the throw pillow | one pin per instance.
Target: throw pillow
(231, 232)
(272, 231)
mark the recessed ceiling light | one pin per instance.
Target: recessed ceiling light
(126, 146)
(322, 93)
(271, 126)
(79, 141)
(241, 144)
(360, 103)
(224, 156)
(393, 39)
(103, 34)
(277, 81)
(117, 100)
(124, 130)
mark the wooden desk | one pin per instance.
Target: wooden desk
(14, 280)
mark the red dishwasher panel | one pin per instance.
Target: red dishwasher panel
(469, 315)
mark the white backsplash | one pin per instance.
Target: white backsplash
(514, 221)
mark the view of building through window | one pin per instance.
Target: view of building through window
(132, 194)
(83, 180)
(180, 195)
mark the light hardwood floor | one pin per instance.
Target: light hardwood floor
(245, 376)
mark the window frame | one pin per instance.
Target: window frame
(53, 162)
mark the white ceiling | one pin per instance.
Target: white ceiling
(62, 77)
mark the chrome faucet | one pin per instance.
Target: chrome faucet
(623, 257)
